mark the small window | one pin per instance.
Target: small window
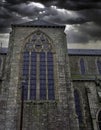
(82, 66)
(99, 120)
(99, 66)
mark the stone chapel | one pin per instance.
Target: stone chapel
(46, 86)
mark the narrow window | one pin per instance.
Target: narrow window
(99, 120)
(78, 107)
(50, 65)
(82, 66)
(33, 76)
(42, 75)
(99, 66)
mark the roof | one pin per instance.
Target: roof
(40, 23)
(85, 52)
(3, 50)
(70, 52)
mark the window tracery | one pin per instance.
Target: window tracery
(78, 107)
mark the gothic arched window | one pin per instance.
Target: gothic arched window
(78, 107)
(38, 68)
(99, 66)
(82, 66)
(99, 120)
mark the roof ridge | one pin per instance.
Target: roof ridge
(40, 22)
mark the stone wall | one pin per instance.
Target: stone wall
(86, 85)
(58, 115)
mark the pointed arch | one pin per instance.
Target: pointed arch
(99, 65)
(82, 66)
(78, 107)
(98, 117)
(38, 67)
(32, 40)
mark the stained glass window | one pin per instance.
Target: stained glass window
(99, 66)
(38, 69)
(99, 120)
(78, 106)
(82, 66)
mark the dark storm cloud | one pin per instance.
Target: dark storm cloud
(84, 33)
(77, 12)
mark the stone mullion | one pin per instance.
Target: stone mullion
(29, 76)
(38, 77)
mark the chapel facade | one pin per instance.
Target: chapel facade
(46, 86)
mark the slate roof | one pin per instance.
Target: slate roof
(39, 23)
(3, 50)
(86, 52)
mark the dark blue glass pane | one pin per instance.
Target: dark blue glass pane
(43, 63)
(50, 81)
(42, 66)
(33, 72)
(42, 54)
(33, 81)
(50, 54)
(82, 66)
(50, 63)
(33, 76)
(42, 60)
(50, 72)
(33, 54)
(50, 86)
(50, 66)
(32, 86)
(33, 57)
(26, 54)
(32, 94)
(43, 94)
(25, 67)
(50, 59)
(99, 66)
(50, 76)
(42, 81)
(42, 57)
(78, 106)
(25, 84)
(51, 95)
(42, 77)
(42, 72)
